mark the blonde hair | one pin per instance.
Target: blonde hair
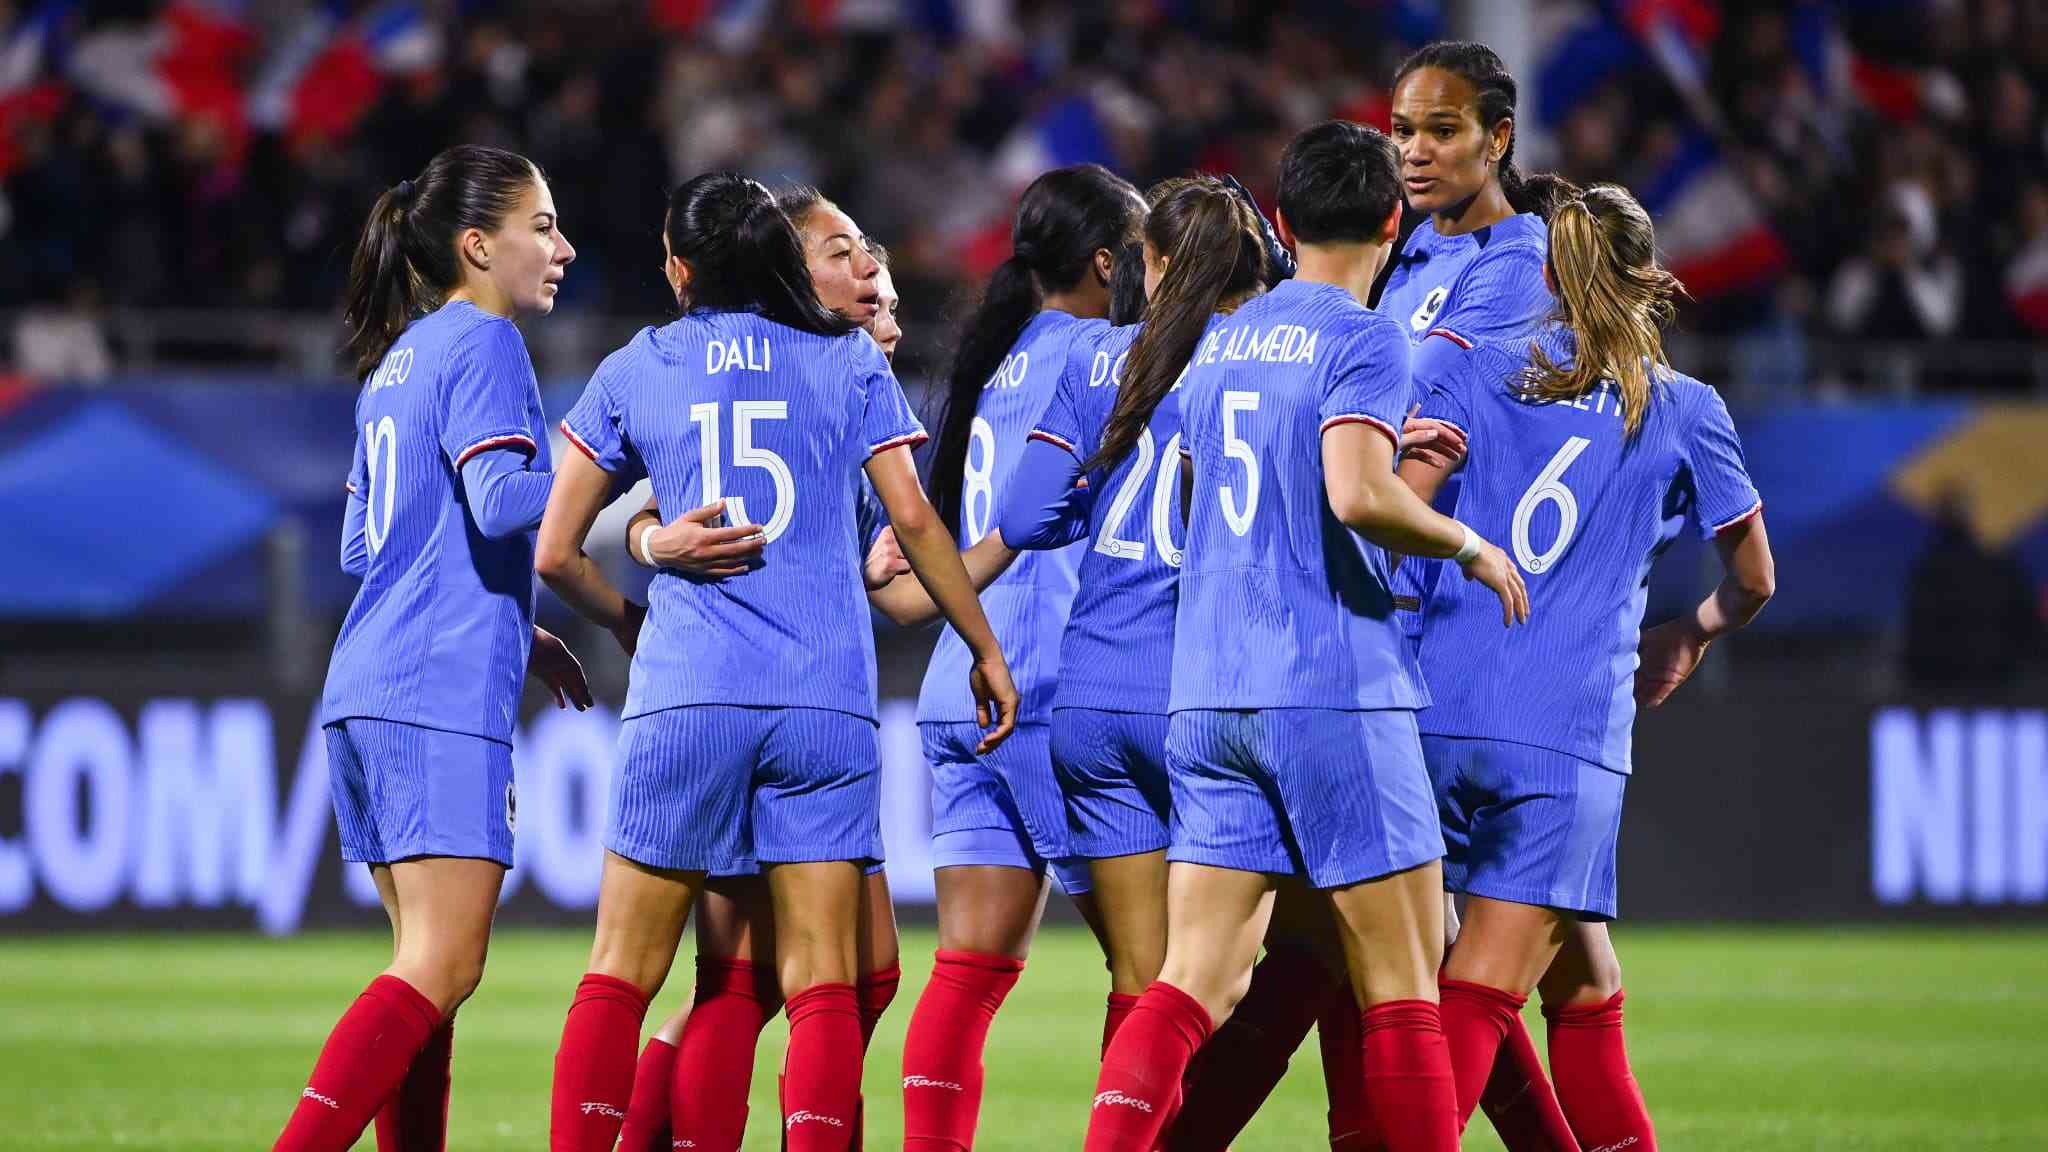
(1614, 297)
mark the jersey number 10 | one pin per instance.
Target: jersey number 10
(380, 460)
(745, 454)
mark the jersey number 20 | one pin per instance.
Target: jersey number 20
(1163, 483)
(1549, 489)
(745, 454)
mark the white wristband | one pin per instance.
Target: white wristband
(641, 550)
(1469, 550)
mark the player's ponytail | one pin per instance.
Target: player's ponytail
(743, 254)
(405, 263)
(1064, 218)
(1215, 256)
(1482, 67)
(1127, 284)
(1613, 296)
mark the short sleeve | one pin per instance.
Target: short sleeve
(1060, 424)
(887, 420)
(1440, 367)
(1370, 383)
(490, 394)
(1500, 297)
(596, 424)
(1725, 495)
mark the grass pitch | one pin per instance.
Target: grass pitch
(1743, 1039)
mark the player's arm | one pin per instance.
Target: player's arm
(1372, 500)
(937, 564)
(581, 490)
(906, 601)
(355, 534)
(504, 495)
(1670, 651)
(693, 544)
(1048, 500)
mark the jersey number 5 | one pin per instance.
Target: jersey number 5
(1549, 489)
(1240, 520)
(745, 454)
(1164, 482)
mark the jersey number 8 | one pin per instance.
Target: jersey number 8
(745, 454)
(1164, 481)
(1549, 489)
(977, 486)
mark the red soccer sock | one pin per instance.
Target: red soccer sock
(367, 1054)
(1242, 1065)
(1343, 1045)
(1141, 1073)
(1114, 1011)
(415, 1118)
(714, 1068)
(1519, 1100)
(647, 1117)
(1589, 1062)
(1409, 1089)
(822, 1077)
(942, 1071)
(1475, 1020)
(594, 1065)
(877, 990)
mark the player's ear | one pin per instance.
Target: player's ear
(1391, 230)
(475, 247)
(678, 274)
(1105, 262)
(1285, 230)
(1499, 140)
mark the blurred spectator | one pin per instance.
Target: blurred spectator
(1906, 285)
(64, 343)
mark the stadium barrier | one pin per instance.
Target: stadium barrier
(138, 799)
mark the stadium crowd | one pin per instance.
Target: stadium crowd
(1895, 151)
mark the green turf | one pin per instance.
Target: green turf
(1743, 1039)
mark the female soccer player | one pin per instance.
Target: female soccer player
(750, 731)
(449, 478)
(997, 820)
(1292, 747)
(1587, 452)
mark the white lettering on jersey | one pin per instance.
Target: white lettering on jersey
(740, 355)
(1280, 344)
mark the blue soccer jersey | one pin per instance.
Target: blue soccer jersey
(1281, 605)
(1117, 655)
(439, 633)
(1486, 284)
(1027, 606)
(777, 422)
(1583, 509)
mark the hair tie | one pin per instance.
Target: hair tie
(403, 192)
(1024, 253)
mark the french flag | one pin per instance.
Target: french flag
(1713, 236)
(28, 90)
(2026, 286)
(1844, 78)
(326, 74)
(1677, 34)
(1583, 50)
(182, 65)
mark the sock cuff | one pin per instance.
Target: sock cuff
(888, 978)
(1605, 1014)
(987, 961)
(819, 999)
(1402, 1014)
(598, 986)
(1121, 1000)
(1494, 999)
(408, 1000)
(1181, 1008)
(654, 1045)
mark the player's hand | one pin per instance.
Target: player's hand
(691, 545)
(1668, 654)
(995, 701)
(885, 561)
(1279, 261)
(555, 666)
(1493, 569)
(1434, 442)
(627, 633)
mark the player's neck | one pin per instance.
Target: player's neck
(1351, 267)
(1081, 302)
(1483, 209)
(486, 296)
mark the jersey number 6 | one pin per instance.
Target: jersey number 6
(745, 454)
(1549, 489)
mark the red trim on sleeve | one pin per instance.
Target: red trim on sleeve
(1453, 337)
(1384, 428)
(1049, 438)
(524, 443)
(1727, 524)
(573, 438)
(349, 486)
(907, 440)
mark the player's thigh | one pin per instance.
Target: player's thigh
(1586, 971)
(735, 919)
(1505, 945)
(817, 911)
(1130, 898)
(877, 945)
(447, 903)
(1393, 933)
(640, 914)
(387, 895)
(1216, 919)
(1302, 920)
(992, 909)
